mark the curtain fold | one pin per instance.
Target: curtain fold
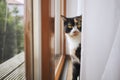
(101, 40)
(112, 70)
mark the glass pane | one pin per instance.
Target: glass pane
(12, 64)
(57, 36)
(58, 33)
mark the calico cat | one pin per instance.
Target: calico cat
(72, 28)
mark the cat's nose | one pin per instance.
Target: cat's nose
(75, 32)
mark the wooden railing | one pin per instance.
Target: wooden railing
(13, 69)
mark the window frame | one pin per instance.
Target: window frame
(47, 67)
(28, 31)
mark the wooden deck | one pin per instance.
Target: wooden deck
(13, 69)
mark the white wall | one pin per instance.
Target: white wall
(73, 8)
(101, 40)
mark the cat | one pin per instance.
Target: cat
(72, 28)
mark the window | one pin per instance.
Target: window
(53, 48)
(12, 39)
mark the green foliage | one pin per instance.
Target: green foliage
(20, 37)
(2, 20)
(11, 32)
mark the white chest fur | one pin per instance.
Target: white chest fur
(73, 42)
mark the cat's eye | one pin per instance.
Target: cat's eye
(78, 25)
(69, 26)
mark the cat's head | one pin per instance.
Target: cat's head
(72, 26)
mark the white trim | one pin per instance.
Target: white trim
(37, 38)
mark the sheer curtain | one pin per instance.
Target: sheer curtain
(101, 40)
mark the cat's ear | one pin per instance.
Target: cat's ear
(64, 18)
(79, 17)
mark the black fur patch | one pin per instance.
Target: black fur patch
(78, 51)
(76, 66)
(76, 71)
(71, 21)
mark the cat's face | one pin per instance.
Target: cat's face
(72, 26)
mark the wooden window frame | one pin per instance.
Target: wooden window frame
(47, 67)
(28, 31)
(47, 71)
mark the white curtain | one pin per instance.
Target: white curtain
(101, 40)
